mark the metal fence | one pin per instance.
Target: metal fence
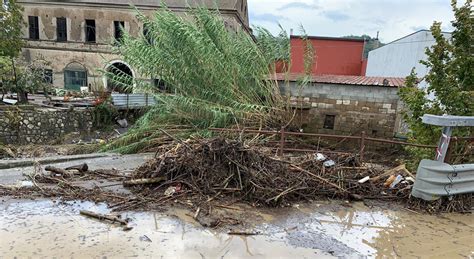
(132, 101)
(363, 139)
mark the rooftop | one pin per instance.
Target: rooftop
(346, 80)
(226, 4)
(326, 38)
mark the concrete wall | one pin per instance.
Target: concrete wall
(18, 126)
(372, 109)
(98, 56)
(396, 59)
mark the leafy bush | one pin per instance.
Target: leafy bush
(104, 115)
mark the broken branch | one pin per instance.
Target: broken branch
(319, 178)
(103, 217)
(144, 181)
(56, 170)
(81, 168)
(243, 233)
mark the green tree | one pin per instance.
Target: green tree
(277, 47)
(450, 80)
(24, 77)
(16, 75)
(6, 74)
(11, 24)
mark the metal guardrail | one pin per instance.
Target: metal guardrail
(132, 101)
(447, 122)
(435, 179)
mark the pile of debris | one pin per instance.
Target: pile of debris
(212, 169)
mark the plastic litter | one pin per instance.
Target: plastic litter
(320, 157)
(389, 181)
(396, 181)
(363, 180)
(26, 184)
(170, 191)
(329, 163)
(123, 123)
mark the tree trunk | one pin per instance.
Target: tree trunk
(14, 73)
(3, 89)
(22, 96)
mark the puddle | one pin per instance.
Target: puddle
(48, 229)
(385, 233)
(45, 229)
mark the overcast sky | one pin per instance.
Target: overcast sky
(393, 18)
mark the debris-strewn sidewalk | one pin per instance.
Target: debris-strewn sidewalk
(23, 162)
(14, 170)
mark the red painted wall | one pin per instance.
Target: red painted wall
(333, 56)
(281, 66)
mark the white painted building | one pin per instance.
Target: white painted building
(397, 58)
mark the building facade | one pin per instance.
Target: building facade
(397, 58)
(345, 105)
(332, 56)
(75, 37)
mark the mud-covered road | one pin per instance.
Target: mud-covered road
(47, 229)
(53, 229)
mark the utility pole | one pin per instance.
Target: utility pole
(377, 40)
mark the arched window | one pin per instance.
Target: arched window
(75, 76)
(119, 69)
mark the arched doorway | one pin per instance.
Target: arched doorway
(75, 76)
(119, 69)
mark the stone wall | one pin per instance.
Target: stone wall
(41, 126)
(355, 108)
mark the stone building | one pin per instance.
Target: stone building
(345, 105)
(75, 36)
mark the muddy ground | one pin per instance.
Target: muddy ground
(47, 228)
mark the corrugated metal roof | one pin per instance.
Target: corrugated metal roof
(345, 80)
(326, 38)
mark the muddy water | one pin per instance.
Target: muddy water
(47, 229)
(390, 234)
(44, 229)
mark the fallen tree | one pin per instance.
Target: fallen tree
(209, 76)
